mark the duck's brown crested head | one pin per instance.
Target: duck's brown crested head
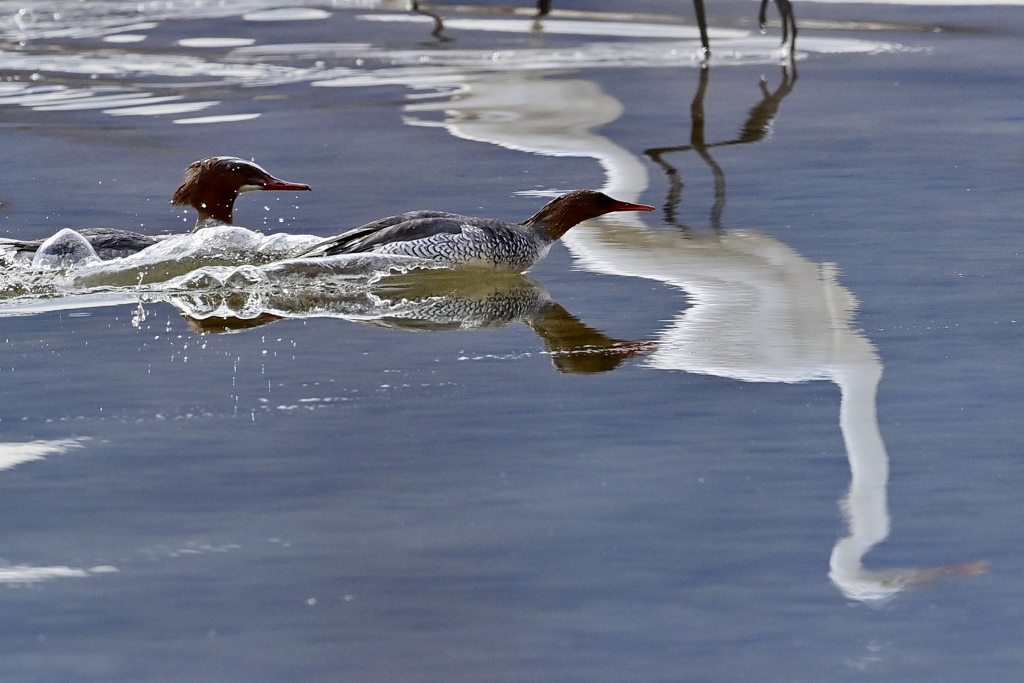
(572, 208)
(211, 186)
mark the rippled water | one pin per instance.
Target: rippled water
(771, 432)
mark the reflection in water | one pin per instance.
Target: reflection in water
(760, 311)
(414, 301)
(383, 290)
(12, 455)
(866, 510)
(55, 69)
(755, 129)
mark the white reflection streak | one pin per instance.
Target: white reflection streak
(160, 109)
(32, 306)
(554, 117)
(12, 455)
(761, 312)
(18, 574)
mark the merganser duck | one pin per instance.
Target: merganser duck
(211, 187)
(463, 240)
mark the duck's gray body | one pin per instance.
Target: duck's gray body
(464, 240)
(445, 237)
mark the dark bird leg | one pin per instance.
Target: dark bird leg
(438, 31)
(702, 24)
(788, 21)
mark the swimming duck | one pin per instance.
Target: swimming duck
(211, 187)
(464, 240)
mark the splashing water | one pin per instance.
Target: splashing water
(224, 264)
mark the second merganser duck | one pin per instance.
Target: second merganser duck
(462, 240)
(211, 187)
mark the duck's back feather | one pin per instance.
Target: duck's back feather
(401, 227)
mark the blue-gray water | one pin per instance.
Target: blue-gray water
(645, 475)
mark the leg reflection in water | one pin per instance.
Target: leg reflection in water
(755, 129)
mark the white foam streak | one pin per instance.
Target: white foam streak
(35, 97)
(30, 305)
(25, 574)
(124, 38)
(216, 42)
(224, 118)
(160, 109)
(153, 65)
(14, 454)
(180, 254)
(75, 19)
(107, 102)
(287, 14)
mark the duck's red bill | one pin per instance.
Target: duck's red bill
(276, 184)
(626, 206)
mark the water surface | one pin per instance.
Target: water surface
(769, 432)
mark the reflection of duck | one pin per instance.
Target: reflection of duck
(211, 187)
(416, 301)
(489, 242)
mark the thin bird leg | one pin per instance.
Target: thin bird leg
(702, 24)
(438, 31)
(786, 12)
(788, 21)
